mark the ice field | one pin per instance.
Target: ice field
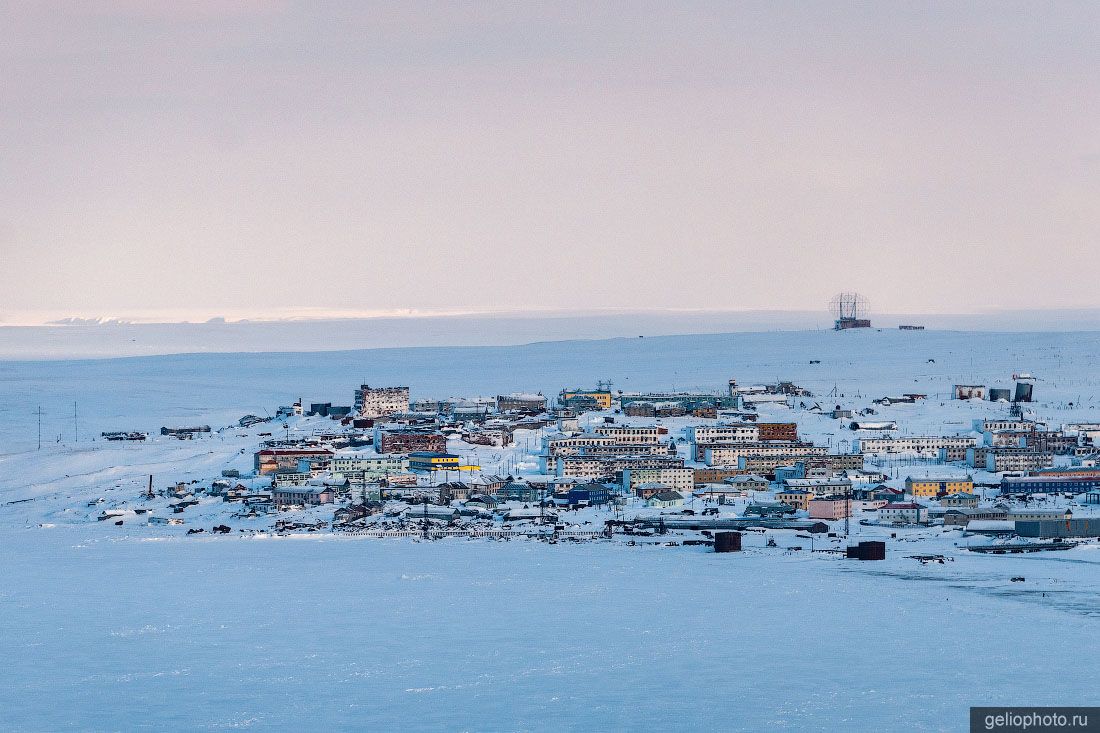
(105, 628)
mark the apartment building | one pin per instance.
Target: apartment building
(934, 487)
(809, 465)
(602, 467)
(679, 479)
(830, 507)
(777, 431)
(997, 460)
(599, 449)
(729, 455)
(732, 433)
(821, 486)
(407, 441)
(924, 446)
(519, 402)
(632, 433)
(1051, 484)
(371, 465)
(376, 402)
(271, 460)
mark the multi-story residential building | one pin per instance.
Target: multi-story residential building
(689, 402)
(798, 498)
(1052, 442)
(934, 487)
(650, 409)
(302, 495)
(634, 449)
(729, 455)
(992, 424)
(376, 402)
(549, 462)
(997, 460)
(432, 407)
(290, 478)
(270, 460)
(821, 486)
(924, 446)
(519, 402)
(679, 479)
(787, 431)
(600, 399)
(716, 475)
(1088, 431)
(476, 409)
(371, 465)
(408, 440)
(633, 433)
(597, 467)
(830, 507)
(807, 466)
(1043, 483)
(703, 436)
(732, 433)
(1005, 438)
(574, 444)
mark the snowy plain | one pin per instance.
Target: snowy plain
(105, 627)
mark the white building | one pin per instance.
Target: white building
(904, 513)
(730, 455)
(820, 486)
(632, 433)
(735, 433)
(925, 446)
(679, 479)
(374, 465)
(376, 402)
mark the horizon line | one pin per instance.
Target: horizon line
(307, 315)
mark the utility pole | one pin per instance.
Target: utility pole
(847, 510)
(76, 430)
(39, 413)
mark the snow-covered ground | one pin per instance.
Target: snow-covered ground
(104, 632)
(108, 627)
(148, 392)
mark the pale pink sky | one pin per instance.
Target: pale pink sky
(358, 157)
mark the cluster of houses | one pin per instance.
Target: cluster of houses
(601, 448)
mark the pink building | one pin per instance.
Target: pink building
(830, 507)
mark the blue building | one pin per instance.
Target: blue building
(1046, 484)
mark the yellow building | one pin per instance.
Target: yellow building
(930, 487)
(798, 498)
(602, 397)
(432, 461)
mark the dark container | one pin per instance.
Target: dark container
(727, 542)
(867, 551)
(872, 550)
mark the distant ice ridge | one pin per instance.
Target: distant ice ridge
(108, 336)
